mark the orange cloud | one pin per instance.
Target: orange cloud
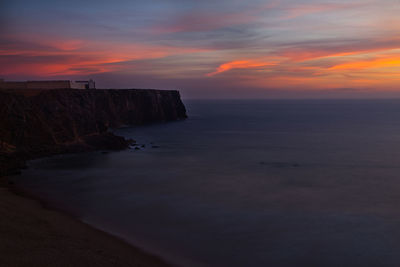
(240, 64)
(339, 51)
(368, 64)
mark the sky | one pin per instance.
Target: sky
(208, 48)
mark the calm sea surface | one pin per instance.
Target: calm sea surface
(246, 183)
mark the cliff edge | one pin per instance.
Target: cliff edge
(50, 122)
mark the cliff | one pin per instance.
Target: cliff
(65, 120)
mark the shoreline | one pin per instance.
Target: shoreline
(33, 233)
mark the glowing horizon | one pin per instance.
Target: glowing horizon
(230, 47)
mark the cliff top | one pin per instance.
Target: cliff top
(34, 92)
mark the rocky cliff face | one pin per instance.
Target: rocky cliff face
(66, 120)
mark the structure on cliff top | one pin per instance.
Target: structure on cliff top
(55, 84)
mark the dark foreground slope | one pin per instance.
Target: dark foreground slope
(31, 236)
(67, 120)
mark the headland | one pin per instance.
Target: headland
(37, 123)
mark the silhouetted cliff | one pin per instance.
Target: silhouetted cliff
(66, 120)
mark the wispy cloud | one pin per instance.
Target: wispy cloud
(240, 64)
(298, 10)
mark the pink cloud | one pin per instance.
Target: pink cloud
(47, 56)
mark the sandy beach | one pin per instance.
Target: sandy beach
(31, 235)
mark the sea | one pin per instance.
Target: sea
(244, 183)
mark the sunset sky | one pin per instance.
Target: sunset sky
(208, 48)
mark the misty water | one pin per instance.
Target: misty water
(245, 183)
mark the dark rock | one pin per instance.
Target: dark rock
(131, 141)
(107, 141)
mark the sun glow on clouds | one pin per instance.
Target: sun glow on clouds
(370, 64)
(289, 44)
(78, 57)
(358, 68)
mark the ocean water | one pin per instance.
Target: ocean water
(245, 183)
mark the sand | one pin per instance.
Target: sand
(31, 235)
